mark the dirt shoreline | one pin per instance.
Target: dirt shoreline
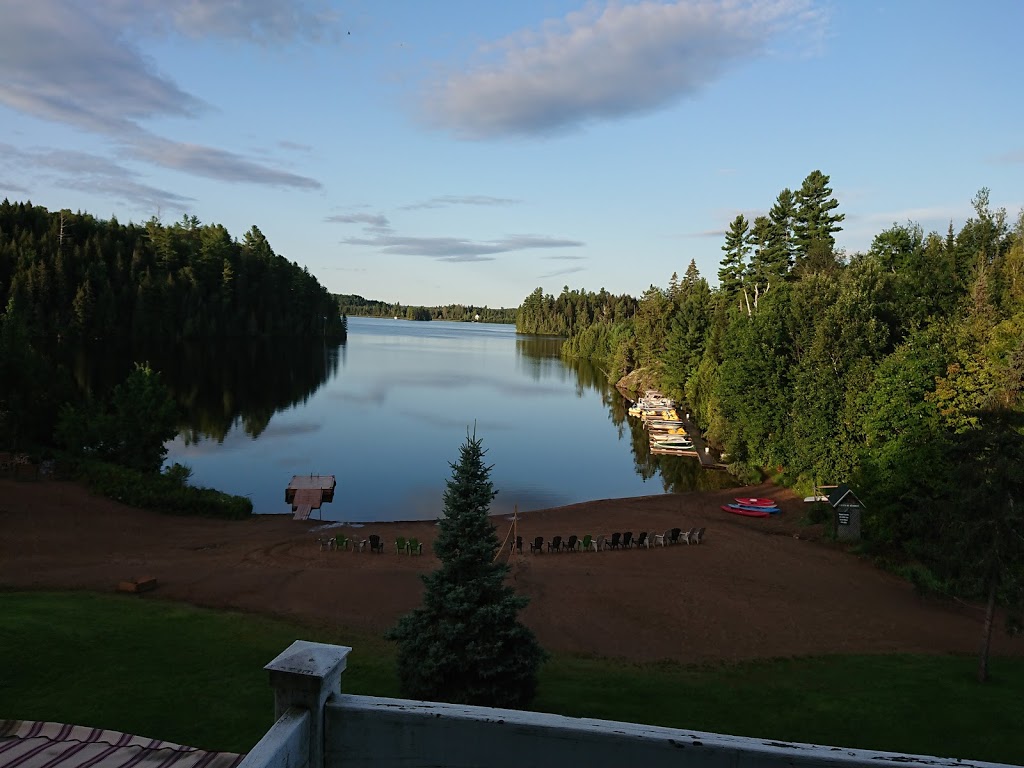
(753, 589)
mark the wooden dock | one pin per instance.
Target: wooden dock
(308, 492)
(654, 406)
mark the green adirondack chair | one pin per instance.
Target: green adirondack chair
(415, 546)
(400, 544)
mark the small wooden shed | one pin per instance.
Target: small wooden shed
(847, 509)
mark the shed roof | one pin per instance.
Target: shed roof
(841, 492)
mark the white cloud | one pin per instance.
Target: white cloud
(443, 201)
(458, 249)
(92, 173)
(624, 59)
(372, 220)
(80, 64)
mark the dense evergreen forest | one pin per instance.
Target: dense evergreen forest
(83, 301)
(74, 275)
(899, 370)
(350, 304)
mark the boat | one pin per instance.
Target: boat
(773, 510)
(736, 509)
(754, 502)
(677, 441)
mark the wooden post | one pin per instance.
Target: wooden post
(306, 675)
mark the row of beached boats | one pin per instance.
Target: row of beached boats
(661, 419)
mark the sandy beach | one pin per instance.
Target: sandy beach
(754, 588)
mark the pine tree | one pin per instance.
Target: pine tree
(734, 263)
(778, 254)
(465, 644)
(814, 222)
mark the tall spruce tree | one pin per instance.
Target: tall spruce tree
(814, 223)
(734, 263)
(465, 644)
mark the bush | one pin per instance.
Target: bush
(161, 493)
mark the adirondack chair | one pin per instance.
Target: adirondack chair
(686, 536)
(341, 541)
(571, 543)
(697, 537)
(376, 543)
(598, 543)
(662, 538)
(517, 545)
(555, 544)
(401, 545)
(615, 542)
(627, 540)
(415, 546)
(641, 540)
(326, 543)
(588, 542)
(675, 535)
(537, 545)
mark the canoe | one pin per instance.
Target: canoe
(772, 510)
(756, 502)
(736, 509)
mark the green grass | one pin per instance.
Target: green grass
(196, 677)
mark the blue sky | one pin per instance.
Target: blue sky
(455, 151)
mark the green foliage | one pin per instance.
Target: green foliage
(131, 429)
(31, 388)
(465, 644)
(352, 304)
(814, 223)
(734, 263)
(81, 276)
(161, 492)
(572, 312)
(102, 650)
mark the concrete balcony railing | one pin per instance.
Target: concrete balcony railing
(319, 727)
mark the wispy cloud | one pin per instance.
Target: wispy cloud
(455, 249)
(375, 220)
(80, 64)
(564, 257)
(444, 201)
(1016, 156)
(294, 146)
(92, 173)
(216, 163)
(558, 272)
(9, 187)
(607, 62)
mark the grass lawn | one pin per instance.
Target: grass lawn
(192, 676)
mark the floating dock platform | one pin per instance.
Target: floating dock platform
(307, 492)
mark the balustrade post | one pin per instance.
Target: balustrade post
(307, 675)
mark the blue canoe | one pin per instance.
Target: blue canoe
(749, 508)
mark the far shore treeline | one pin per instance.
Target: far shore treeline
(351, 304)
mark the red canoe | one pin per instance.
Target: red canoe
(738, 510)
(756, 502)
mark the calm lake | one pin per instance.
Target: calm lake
(388, 410)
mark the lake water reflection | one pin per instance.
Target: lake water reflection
(396, 402)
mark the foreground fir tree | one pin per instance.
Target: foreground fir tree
(465, 644)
